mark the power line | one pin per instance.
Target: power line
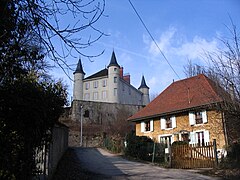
(165, 58)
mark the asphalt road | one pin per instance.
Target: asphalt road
(110, 166)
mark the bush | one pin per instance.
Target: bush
(141, 147)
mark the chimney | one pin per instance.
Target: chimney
(121, 72)
(126, 77)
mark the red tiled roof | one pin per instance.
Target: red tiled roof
(181, 95)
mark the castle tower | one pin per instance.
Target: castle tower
(78, 82)
(113, 79)
(145, 90)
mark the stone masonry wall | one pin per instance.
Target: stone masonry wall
(214, 126)
(97, 118)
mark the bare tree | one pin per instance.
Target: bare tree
(193, 69)
(68, 24)
(224, 69)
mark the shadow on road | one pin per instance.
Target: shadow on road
(85, 163)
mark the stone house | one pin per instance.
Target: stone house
(184, 111)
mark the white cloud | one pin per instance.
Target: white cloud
(164, 42)
(195, 48)
(177, 47)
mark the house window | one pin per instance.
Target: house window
(166, 140)
(199, 137)
(115, 69)
(87, 85)
(115, 79)
(147, 126)
(104, 94)
(95, 84)
(104, 83)
(168, 122)
(95, 95)
(123, 87)
(198, 117)
(87, 96)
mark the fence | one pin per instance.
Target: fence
(194, 156)
(48, 157)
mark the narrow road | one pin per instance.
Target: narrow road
(97, 163)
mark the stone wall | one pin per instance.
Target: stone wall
(98, 118)
(214, 126)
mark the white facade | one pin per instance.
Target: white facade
(108, 85)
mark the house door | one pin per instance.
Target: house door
(167, 141)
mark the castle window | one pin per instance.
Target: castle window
(95, 84)
(115, 69)
(95, 95)
(87, 96)
(104, 83)
(115, 91)
(104, 94)
(115, 79)
(87, 85)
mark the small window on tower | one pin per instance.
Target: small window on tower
(115, 79)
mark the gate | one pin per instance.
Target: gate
(192, 156)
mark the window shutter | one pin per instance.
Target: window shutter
(206, 136)
(192, 138)
(163, 123)
(151, 125)
(192, 118)
(204, 116)
(142, 126)
(174, 124)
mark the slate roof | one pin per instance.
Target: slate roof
(143, 84)
(101, 73)
(181, 95)
(79, 68)
(113, 61)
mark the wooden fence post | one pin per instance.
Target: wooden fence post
(170, 154)
(154, 148)
(215, 152)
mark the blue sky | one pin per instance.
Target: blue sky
(183, 29)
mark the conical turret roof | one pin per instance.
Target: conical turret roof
(113, 61)
(143, 83)
(79, 68)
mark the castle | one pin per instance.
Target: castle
(109, 85)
